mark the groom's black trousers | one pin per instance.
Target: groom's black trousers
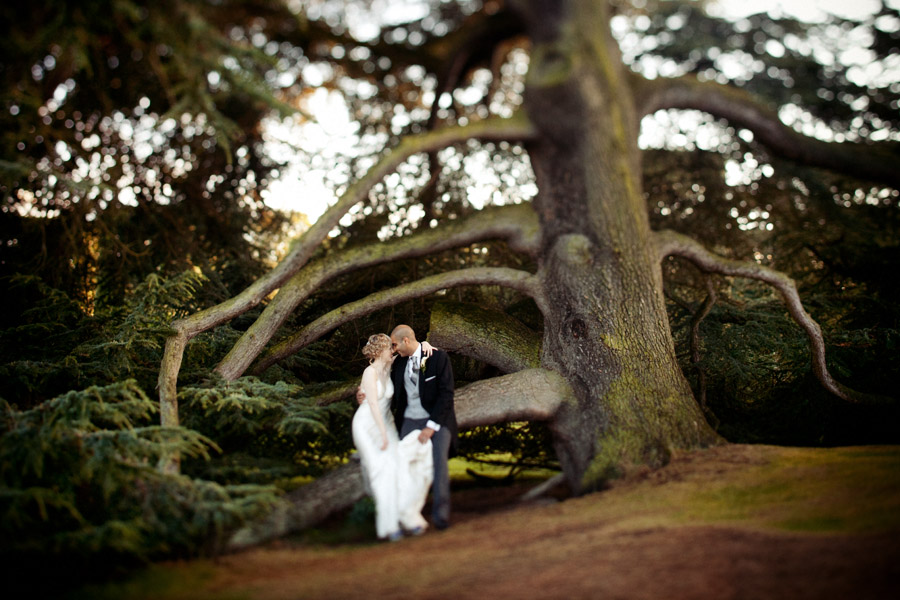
(440, 487)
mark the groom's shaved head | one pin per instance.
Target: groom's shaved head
(403, 340)
(403, 331)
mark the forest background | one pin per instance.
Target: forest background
(148, 151)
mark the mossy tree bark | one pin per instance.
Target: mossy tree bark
(607, 331)
(491, 336)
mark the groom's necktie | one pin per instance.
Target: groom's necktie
(414, 370)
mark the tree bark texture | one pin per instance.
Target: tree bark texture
(607, 330)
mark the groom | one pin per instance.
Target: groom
(423, 399)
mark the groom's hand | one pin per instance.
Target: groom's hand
(425, 435)
(360, 395)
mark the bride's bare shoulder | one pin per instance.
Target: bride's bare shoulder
(369, 373)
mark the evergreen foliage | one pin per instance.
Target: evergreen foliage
(51, 344)
(80, 479)
(271, 432)
(79, 471)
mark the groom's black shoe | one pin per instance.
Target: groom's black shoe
(441, 525)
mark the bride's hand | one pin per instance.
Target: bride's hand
(384, 444)
(427, 349)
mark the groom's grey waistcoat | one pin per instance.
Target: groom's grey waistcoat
(414, 408)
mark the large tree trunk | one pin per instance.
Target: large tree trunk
(607, 332)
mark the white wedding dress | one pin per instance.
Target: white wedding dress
(397, 478)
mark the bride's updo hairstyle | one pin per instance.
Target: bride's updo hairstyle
(377, 343)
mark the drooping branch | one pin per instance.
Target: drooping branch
(670, 243)
(490, 336)
(514, 128)
(512, 278)
(515, 223)
(876, 162)
(530, 395)
(696, 319)
(168, 392)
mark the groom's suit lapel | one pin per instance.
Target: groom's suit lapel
(423, 375)
(420, 376)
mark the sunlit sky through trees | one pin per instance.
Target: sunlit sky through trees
(312, 144)
(344, 122)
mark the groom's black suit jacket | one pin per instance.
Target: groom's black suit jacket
(435, 391)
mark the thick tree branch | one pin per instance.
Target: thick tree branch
(168, 393)
(517, 224)
(670, 243)
(515, 128)
(875, 162)
(490, 336)
(336, 391)
(519, 280)
(531, 395)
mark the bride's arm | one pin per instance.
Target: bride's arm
(427, 349)
(371, 391)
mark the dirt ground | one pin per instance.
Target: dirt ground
(728, 523)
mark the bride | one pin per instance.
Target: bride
(397, 472)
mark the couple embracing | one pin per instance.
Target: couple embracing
(405, 431)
